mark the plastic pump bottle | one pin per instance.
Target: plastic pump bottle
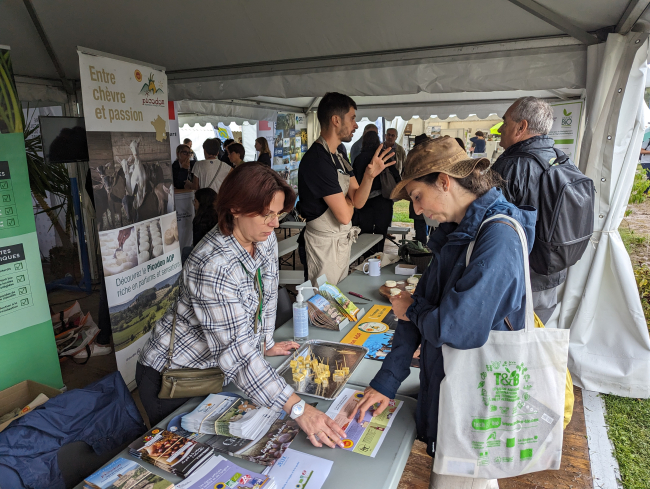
(301, 317)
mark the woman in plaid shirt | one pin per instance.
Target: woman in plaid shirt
(219, 300)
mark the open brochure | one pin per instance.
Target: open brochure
(375, 331)
(124, 473)
(299, 470)
(169, 451)
(228, 415)
(219, 473)
(363, 436)
(265, 449)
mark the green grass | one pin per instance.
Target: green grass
(401, 211)
(629, 430)
(628, 419)
(640, 185)
(631, 240)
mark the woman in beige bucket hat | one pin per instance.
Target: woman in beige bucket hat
(455, 303)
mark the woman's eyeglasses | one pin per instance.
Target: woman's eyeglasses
(272, 215)
(185, 153)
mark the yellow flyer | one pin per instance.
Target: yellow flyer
(374, 331)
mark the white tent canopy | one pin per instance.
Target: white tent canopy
(417, 58)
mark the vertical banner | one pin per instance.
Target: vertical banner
(27, 346)
(566, 126)
(290, 139)
(265, 130)
(127, 124)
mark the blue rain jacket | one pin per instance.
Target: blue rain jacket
(457, 305)
(102, 414)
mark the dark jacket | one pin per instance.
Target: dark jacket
(101, 414)
(457, 305)
(180, 174)
(265, 158)
(522, 174)
(202, 224)
(363, 160)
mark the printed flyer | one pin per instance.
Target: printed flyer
(127, 124)
(375, 331)
(299, 470)
(363, 436)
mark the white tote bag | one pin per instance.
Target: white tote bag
(502, 405)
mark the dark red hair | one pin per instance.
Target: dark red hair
(248, 190)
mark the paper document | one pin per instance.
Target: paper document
(362, 436)
(299, 470)
(220, 473)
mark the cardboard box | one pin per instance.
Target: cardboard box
(20, 395)
(405, 269)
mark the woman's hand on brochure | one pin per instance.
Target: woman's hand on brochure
(400, 304)
(370, 398)
(320, 428)
(282, 348)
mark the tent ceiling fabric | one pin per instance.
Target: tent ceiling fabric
(426, 50)
(425, 105)
(197, 111)
(553, 64)
(137, 29)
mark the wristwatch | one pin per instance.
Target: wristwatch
(297, 410)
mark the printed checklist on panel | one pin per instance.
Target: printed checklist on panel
(8, 211)
(15, 291)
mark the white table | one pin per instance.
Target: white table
(296, 277)
(398, 230)
(286, 246)
(363, 244)
(382, 472)
(368, 287)
(292, 225)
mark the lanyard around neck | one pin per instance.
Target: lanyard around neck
(259, 285)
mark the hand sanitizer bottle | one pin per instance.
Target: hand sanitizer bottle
(300, 317)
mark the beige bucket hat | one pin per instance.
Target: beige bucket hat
(440, 155)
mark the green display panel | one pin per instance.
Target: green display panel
(27, 345)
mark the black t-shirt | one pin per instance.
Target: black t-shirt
(318, 178)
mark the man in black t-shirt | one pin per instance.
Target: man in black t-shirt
(328, 196)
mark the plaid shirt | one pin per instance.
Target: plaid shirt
(215, 319)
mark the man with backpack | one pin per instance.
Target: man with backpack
(539, 175)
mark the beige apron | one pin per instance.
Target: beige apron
(327, 241)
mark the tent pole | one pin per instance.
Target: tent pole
(632, 13)
(556, 20)
(48, 47)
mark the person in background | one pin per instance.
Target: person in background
(478, 143)
(188, 141)
(455, 303)
(262, 147)
(211, 172)
(102, 344)
(182, 169)
(205, 213)
(461, 143)
(328, 194)
(236, 153)
(226, 307)
(224, 156)
(419, 224)
(356, 147)
(645, 160)
(524, 134)
(400, 153)
(377, 215)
